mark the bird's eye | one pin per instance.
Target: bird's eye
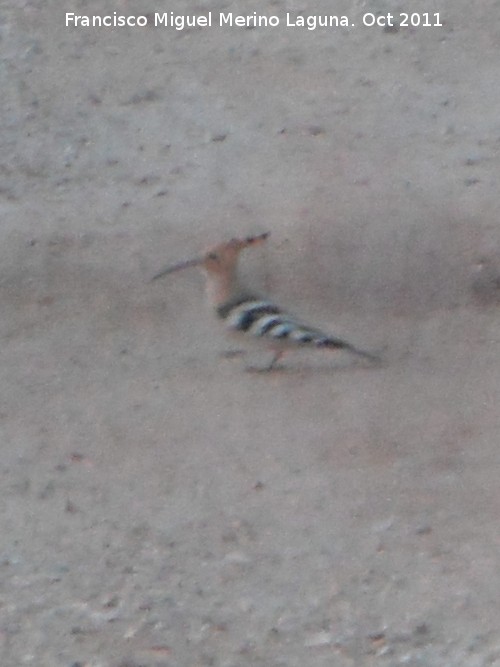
(213, 255)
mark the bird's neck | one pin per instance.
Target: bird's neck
(222, 288)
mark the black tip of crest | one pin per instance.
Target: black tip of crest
(259, 237)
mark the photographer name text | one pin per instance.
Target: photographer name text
(254, 20)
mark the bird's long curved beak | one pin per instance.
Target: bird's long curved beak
(177, 267)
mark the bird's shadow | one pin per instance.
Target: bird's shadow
(297, 367)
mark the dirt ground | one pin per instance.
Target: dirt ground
(159, 505)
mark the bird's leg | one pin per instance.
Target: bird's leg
(274, 360)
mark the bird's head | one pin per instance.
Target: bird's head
(219, 259)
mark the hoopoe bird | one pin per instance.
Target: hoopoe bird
(249, 315)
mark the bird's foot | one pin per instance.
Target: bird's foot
(272, 366)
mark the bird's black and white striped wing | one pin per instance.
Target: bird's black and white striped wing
(267, 321)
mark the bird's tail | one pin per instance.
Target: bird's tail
(339, 344)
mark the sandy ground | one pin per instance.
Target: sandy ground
(160, 506)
